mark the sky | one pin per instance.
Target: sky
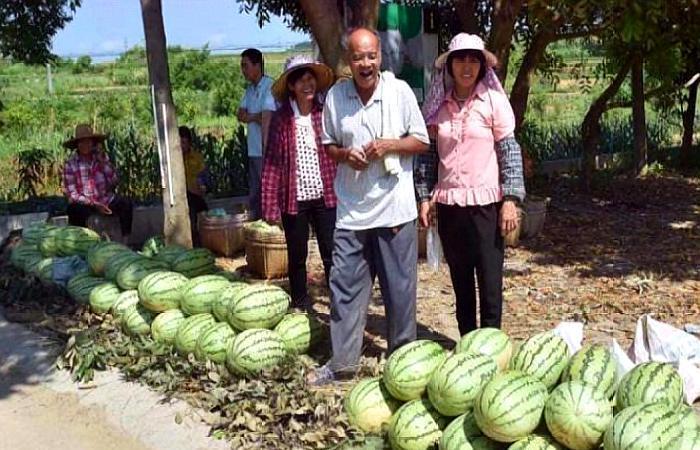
(108, 27)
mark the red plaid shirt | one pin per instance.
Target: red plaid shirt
(279, 181)
(89, 181)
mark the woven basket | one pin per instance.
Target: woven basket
(266, 254)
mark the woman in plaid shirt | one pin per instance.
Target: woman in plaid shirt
(297, 178)
(89, 181)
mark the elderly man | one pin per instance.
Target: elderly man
(372, 127)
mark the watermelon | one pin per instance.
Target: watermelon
(593, 364)
(22, 254)
(190, 330)
(258, 306)
(254, 350)
(126, 300)
(690, 439)
(230, 276)
(544, 356)
(457, 434)
(651, 382)
(165, 325)
(33, 233)
(80, 286)
(47, 244)
(152, 246)
(115, 263)
(98, 255)
(485, 443)
(200, 293)
(213, 342)
(136, 321)
(536, 442)
(645, 426)
(103, 296)
(577, 415)
(456, 381)
(369, 405)
(416, 426)
(72, 240)
(134, 271)
(221, 304)
(409, 368)
(161, 290)
(510, 405)
(487, 341)
(688, 417)
(195, 262)
(299, 332)
(169, 253)
(44, 269)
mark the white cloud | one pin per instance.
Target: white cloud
(216, 40)
(111, 45)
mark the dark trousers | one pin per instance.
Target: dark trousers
(296, 231)
(78, 213)
(196, 204)
(472, 242)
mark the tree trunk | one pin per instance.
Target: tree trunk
(688, 125)
(505, 13)
(176, 226)
(365, 13)
(466, 11)
(327, 28)
(590, 128)
(639, 124)
(521, 87)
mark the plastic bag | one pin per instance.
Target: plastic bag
(433, 248)
(66, 268)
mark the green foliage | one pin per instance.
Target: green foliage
(82, 64)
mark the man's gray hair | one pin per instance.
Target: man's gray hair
(345, 39)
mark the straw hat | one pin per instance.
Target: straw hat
(323, 73)
(465, 41)
(83, 131)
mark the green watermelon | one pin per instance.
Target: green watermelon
(258, 306)
(369, 405)
(536, 442)
(651, 382)
(165, 325)
(213, 342)
(485, 443)
(544, 356)
(456, 381)
(577, 415)
(33, 233)
(220, 306)
(593, 364)
(200, 293)
(44, 269)
(23, 254)
(136, 321)
(161, 290)
(98, 255)
(190, 330)
(127, 299)
(688, 417)
(115, 263)
(80, 286)
(169, 253)
(645, 426)
(409, 368)
(416, 426)
(489, 342)
(690, 439)
(458, 433)
(47, 244)
(72, 240)
(254, 350)
(134, 271)
(102, 297)
(510, 405)
(195, 262)
(299, 331)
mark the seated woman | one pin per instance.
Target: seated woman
(89, 181)
(197, 177)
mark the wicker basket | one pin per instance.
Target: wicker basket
(222, 235)
(266, 254)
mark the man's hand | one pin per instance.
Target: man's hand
(103, 209)
(426, 213)
(242, 115)
(377, 149)
(508, 217)
(356, 159)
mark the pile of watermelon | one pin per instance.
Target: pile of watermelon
(488, 394)
(176, 295)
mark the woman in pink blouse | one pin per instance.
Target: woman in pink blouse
(478, 179)
(297, 178)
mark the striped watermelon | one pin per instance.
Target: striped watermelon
(47, 243)
(165, 325)
(536, 442)
(456, 381)
(254, 350)
(544, 356)
(80, 286)
(199, 293)
(458, 433)
(169, 253)
(258, 306)
(131, 274)
(32, 261)
(126, 300)
(195, 262)
(22, 253)
(485, 443)
(221, 304)
(299, 331)
(44, 269)
(409, 368)
(577, 415)
(213, 342)
(137, 321)
(102, 297)
(487, 341)
(690, 439)
(33, 233)
(416, 426)
(73, 240)
(190, 330)
(651, 382)
(160, 291)
(115, 263)
(230, 276)
(688, 417)
(510, 406)
(593, 364)
(98, 255)
(646, 426)
(369, 405)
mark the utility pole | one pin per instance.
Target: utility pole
(49, 78)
